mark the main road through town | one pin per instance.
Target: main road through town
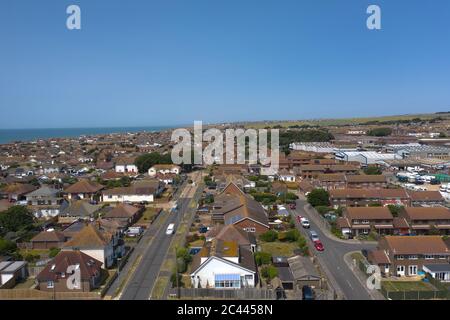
(332, 258)
(154, 246)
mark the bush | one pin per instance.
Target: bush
(53, 252)
(269, 236)
(380, 132)
(292, 235)
(372, 170)
(318, 197)
(269, 272)
(173, 280)
(262, 258)
(7, 247)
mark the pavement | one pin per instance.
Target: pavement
(342, 279)
(153, 249)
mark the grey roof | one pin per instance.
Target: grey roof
(44, 192)
(11, 266)
(302, 267)
(443, 267)
(80, 208)
(285, 274)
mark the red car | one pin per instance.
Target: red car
(318, 245)
(292, 206)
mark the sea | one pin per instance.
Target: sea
(24, 135)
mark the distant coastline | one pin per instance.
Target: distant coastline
(25, 135)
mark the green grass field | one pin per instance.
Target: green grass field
(406, 286)
(342, 121)
(278, 248)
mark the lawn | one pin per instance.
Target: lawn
(278, 248)
(406, 286)
(148, 215)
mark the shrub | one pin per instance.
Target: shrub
(292, 235)
(53, 252)
(269, 272)
(262, 258)
(269, 236)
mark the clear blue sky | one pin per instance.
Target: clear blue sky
(166, 62)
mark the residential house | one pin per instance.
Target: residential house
(79, 209)
(84, 189)
(56, 276)
(100, 245)
(426, 220)
(363, 220)
(17, 191)
(47, 240)
(137, 192)
(124, 213)
(286, 176)
(313, 170)
(224, 265)
(126, 165)
(426, 198)
(364, 197)
(231, 233)
(233, 207)
(366, 181)
(330, 181)
(408, 256)
(164, 169)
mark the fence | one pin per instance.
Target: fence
(241, 294)
(33, 294)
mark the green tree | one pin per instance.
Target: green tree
(395, 209)
(146, 161)
(380, 132)
(262, 258)
(7, 247)
(372, 170)
(318, 197)
(15, 219)
(269, 236)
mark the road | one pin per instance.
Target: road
(332, 258)
(140, 285)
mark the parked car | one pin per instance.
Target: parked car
(292, 206)
(307, 293)
(305, 223)
(299, 219)
(313, 236)
(318, 245)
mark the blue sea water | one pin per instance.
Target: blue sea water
(12, 135)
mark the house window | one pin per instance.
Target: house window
(412, 270)
(429, 257)
(442, 257)
(400, 257)
(365, 222)
(50, 284)
(250, 229)
(413, 257)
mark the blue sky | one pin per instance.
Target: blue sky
(168, 62)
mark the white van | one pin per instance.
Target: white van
(170, 229)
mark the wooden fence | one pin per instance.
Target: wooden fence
(34, 294)
(241, 294)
